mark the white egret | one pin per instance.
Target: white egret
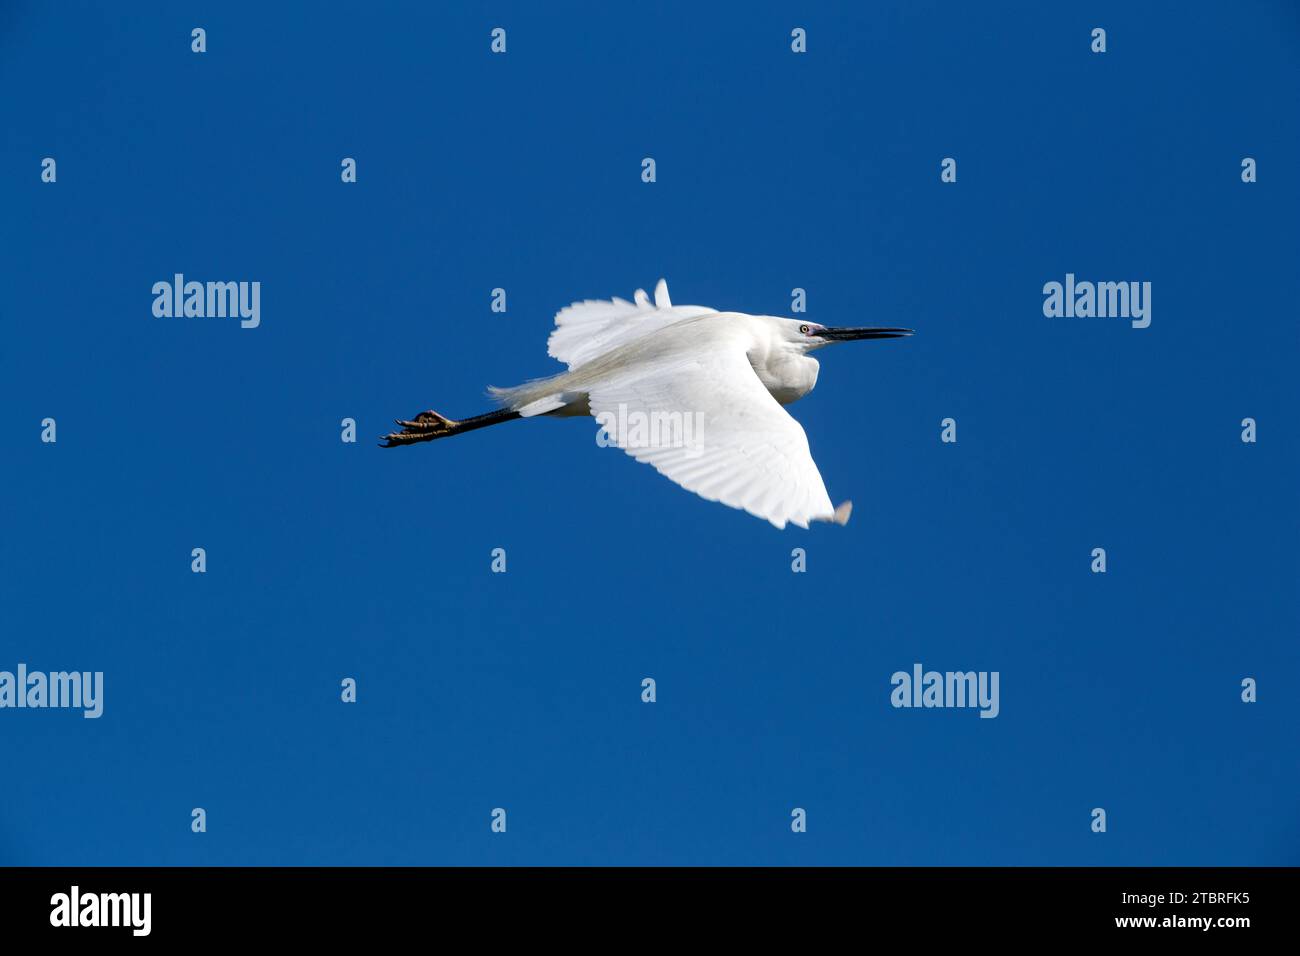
(695, 392)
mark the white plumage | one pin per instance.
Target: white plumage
(691, 391)
(751, 454)
(587, 329)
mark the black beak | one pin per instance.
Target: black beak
(848, 335)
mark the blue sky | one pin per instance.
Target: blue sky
(774, 171)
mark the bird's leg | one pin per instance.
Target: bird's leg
(426, 427)
(429, 425)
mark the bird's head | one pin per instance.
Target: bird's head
(810, 335)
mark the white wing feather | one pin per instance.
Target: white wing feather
(591, 328)
(748, 452)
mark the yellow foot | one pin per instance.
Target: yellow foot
(426, 427)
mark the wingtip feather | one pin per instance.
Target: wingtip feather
(661, 295)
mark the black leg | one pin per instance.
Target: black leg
(428, 426)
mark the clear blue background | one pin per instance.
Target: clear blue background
(480, 690)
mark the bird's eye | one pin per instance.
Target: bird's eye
(803, 330)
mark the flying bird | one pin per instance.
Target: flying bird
(695, 392)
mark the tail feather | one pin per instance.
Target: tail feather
(535, 397)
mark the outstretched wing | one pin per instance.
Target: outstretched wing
(587, 329)
(705, 421)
